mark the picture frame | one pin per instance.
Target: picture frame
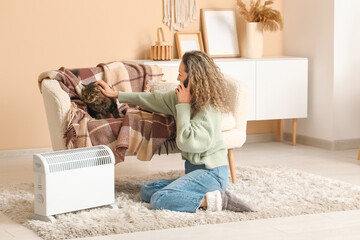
(220, 32)
(188, 41)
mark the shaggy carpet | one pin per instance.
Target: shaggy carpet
(274, 191)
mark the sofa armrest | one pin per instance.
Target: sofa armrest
(238, 101)
(57, 104)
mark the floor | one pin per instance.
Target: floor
(341, 165)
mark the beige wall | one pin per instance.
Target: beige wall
(42, 35)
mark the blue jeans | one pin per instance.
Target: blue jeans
(186, 193)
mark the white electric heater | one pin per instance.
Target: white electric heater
(70, 180)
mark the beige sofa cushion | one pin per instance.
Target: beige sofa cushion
(161, 86)
(227, 122)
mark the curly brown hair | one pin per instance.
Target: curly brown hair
(208, 87)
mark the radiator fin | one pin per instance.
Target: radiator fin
(77, 158)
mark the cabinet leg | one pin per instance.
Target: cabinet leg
(279, 130)
(294, 133)
(232, 165)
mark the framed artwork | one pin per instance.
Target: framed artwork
(219, 31)
(186, 42)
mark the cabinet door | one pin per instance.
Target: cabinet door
(281, 89)
(245, 72)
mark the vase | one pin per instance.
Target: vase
(254, 40)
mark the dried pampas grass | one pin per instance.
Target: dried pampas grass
(269, 19)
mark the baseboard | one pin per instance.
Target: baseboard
(22, 153)
(326, 144)
(346, 144)
(263, 137)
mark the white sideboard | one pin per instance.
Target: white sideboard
(278, 86)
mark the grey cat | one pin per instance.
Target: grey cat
(98, 104)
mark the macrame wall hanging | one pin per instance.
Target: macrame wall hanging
(179, 13)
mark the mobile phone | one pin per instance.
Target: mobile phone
(186, 82)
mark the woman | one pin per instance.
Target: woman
(196, 104)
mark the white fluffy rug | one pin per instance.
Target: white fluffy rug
(274, 191)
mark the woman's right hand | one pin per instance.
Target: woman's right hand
(106, 89)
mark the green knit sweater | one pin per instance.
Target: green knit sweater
(198, 135)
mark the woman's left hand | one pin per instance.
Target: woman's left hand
(183, 93)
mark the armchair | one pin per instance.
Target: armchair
(57, 104)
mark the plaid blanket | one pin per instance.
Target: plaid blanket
(138, 131)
